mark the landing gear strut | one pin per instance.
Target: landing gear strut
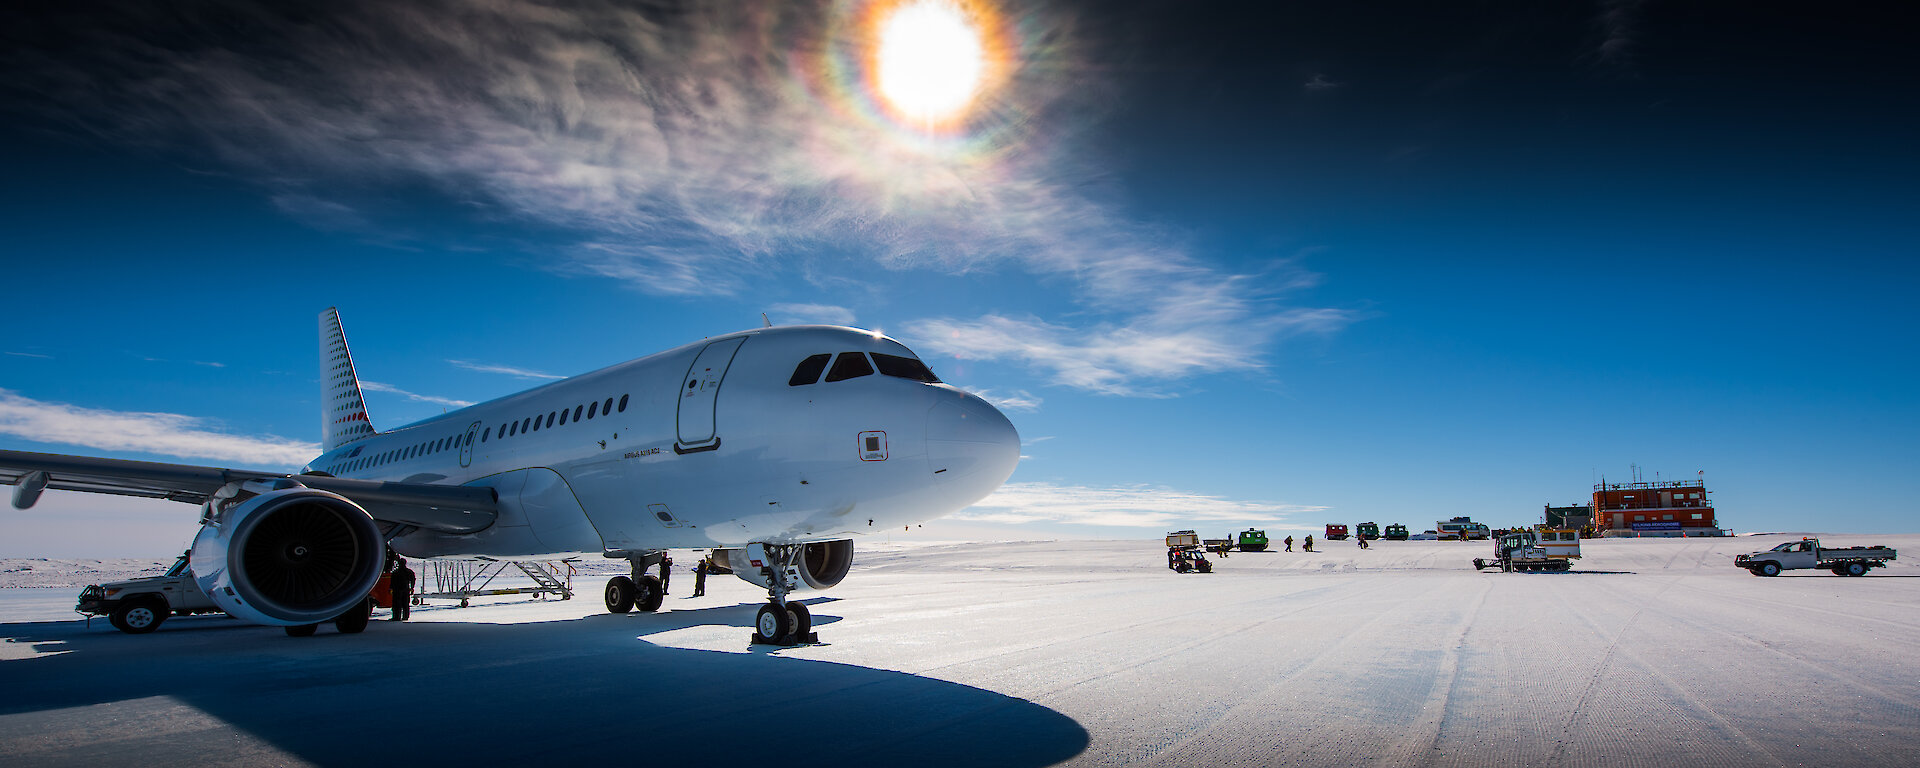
(780, 621)
(641, 590)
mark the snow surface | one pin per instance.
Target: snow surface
(1653, 652)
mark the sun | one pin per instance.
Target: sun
(931, 61)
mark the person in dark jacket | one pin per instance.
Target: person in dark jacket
(666, 571)
(401, 585)
(1289, 541)
(700, 578)
(1308, 545)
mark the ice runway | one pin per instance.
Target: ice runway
(1655, 652)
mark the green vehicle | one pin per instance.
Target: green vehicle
(1395, 532)
(1253, 541)
(1367, 531)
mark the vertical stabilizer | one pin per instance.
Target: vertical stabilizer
(344, 413)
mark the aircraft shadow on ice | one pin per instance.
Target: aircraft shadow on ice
(582, 689)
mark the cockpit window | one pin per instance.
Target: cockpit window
(904, 368)
(808, 371)
(850, 365)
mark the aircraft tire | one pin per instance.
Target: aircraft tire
(772, 623)
(648, 593)
(355, 620)
(799, 619)
(620, 592)
(138, 617)
(302, 630)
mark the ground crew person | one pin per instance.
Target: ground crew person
(1289, 543)
(700, 578)
(666, 571)
(402, 586)
(1363, 541)
(1308, 547)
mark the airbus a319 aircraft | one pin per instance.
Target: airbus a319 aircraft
(773, 447)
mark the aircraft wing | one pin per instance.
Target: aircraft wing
(454, 509)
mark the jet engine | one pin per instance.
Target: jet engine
(285, 557)
(821, 564)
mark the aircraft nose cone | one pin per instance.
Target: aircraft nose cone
(970, 442)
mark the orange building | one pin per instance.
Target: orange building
(1671, 507)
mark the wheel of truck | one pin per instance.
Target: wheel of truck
(1838, 570)
(1206, 567)
(620, 593)
(1768, 568)
(1183, 567)
(1856, 569)
(302, 630)
(354, 621)
(138, 617)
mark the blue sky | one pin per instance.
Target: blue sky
(1278, 265)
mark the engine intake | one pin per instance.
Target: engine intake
(822, 564)
(288, 557)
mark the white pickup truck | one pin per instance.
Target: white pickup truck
(139, 605)
(1807, 553)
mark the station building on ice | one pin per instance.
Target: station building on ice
(1659, 508)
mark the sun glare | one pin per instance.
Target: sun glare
(931, 61)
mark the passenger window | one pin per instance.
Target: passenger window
(524, 423)
(536, 423)
(904, 368)
(563, 417)
(607, 407)
(549, 418)
(849, 365)
(486, 434)
(577, 410)
(592, 409)
(808, 371)
(623, 403)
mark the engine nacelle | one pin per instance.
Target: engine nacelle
(822, 564)
(287, 557)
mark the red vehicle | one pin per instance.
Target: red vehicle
(1336, 532)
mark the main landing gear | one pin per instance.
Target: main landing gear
(641, 590)
(780, 621)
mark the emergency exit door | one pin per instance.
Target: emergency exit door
(700, 394)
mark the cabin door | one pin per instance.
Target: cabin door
(466, 444)
(700, 393)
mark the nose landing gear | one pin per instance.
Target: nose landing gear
(781, 621)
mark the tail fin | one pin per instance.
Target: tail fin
(343, 412)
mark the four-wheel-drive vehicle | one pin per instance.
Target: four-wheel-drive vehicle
(1395, 532)
(1462, 528)
(137, 606)
(1336, 531)
(1537, 549)
(1252, 540)
(1367, 531)
(1807, 553)
(1183, 560)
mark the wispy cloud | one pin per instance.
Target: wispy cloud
(1017, 400)
(509, 370)
(1619, 27)
(1319, 82)
(31, 354)
(1136, 506)
(822, 314)
(695, 152)
(168, 434)
(374, 386)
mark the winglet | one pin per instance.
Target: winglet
(343, 412)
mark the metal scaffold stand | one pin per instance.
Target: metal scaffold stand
(466, 579)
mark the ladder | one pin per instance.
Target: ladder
(464, 579)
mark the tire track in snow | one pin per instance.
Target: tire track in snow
(1252, 706)
(1423, 737)
(1616, 651)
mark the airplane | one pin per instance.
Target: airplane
(773, 447)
